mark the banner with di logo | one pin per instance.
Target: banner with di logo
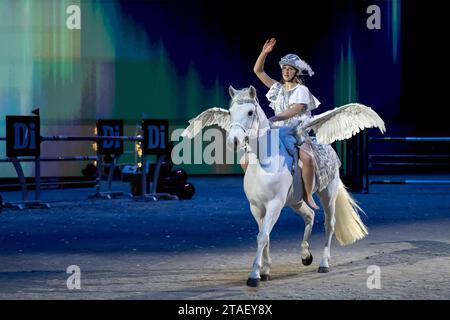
(110, 128)
(23, 136)
(156, 136)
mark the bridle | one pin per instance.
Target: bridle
(242, 101)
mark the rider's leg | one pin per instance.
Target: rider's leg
(289, 140)
(308, 177)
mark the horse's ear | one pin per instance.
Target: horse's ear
(232, 91)
(252, 92)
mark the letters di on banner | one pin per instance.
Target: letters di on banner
(110, 127)
(156, 136)
(23, 136)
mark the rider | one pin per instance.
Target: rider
(292, 103)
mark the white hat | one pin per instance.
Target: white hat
(294, 61)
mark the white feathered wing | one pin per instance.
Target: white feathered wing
(209, 117)
(343, 122)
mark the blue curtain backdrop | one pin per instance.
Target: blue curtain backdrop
(173, 59)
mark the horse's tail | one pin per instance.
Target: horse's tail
(349, 227)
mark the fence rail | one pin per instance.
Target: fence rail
(414, 157)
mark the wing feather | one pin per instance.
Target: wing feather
(343, 122)
(209, 117)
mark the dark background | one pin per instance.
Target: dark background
(174, 59)
(225, 37)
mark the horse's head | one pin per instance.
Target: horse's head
(245, 115)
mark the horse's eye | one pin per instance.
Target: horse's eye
(250, 113)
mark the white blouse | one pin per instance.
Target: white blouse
(282, 100)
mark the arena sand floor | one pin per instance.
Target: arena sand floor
(203, 248)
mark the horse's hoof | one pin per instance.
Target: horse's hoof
(308, 261)
(265, 277)
(253, 282)
(323, 270)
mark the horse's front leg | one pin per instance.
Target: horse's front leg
(273, 209)
(259, 213)
(265, 266)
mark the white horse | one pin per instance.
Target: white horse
(268, 180)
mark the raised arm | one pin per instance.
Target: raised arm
(259, 64)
